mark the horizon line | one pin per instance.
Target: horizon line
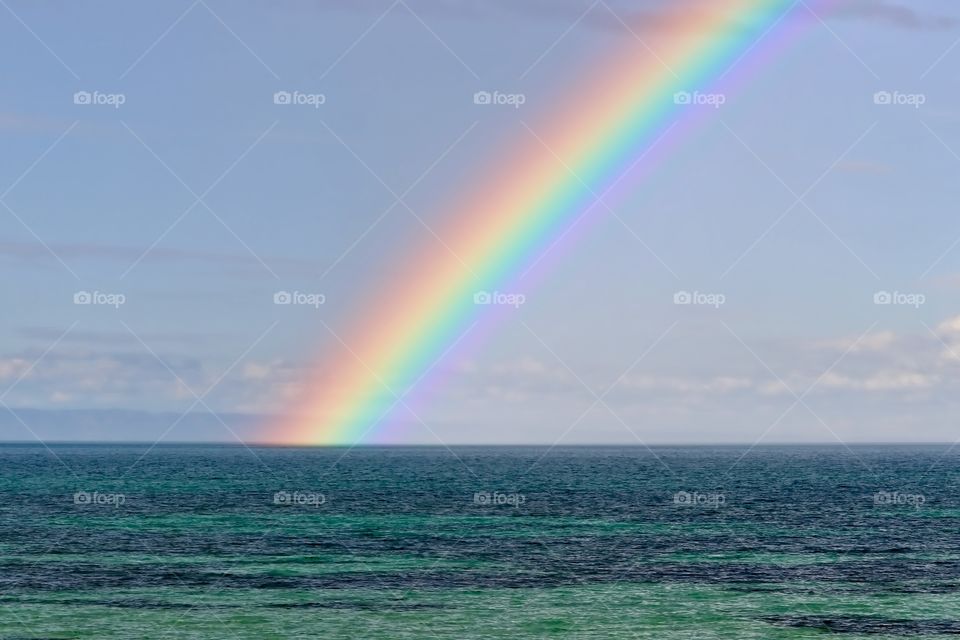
(271, 445)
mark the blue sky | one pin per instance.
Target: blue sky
(198, 198)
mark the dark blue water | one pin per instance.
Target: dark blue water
(225, 541)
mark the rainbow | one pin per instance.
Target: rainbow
(502, 226)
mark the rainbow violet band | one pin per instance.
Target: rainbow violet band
(503, 223)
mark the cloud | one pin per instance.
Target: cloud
(882, 361)
(896, 15)
(258, 371)
(92, 378)
(48, 335)
(690, 384)
(949, 334)
(12, 368)
(873, 341)
(616, 13)
(881, 381)
(950, 327)
(891, 374)
(112, 425)
(34, 252)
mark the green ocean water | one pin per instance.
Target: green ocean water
(108, 541)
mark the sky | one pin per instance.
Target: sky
(146, 163)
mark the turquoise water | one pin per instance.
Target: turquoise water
(224, 542)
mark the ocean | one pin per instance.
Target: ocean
(217, 541)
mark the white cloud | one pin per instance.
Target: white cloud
(950, 327)
(881, 381)
(905, 372)
(11, 368)
(895, 15)
(257, 370)
(874, 341)
(683, 384)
